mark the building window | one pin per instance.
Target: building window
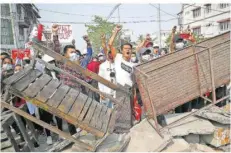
(222, 6)
(5, 10)
(207, 8)
(197, 31)
(6, 32)
(197, 12)
(224, 25)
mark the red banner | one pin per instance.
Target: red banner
(20, 54)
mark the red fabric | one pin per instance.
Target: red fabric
(187, 36)
(40, 30)
(20, 102)
(93, 66)
(137, 109)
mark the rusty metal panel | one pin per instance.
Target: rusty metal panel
(173, 80)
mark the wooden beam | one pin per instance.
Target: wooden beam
(47, 126)
(73, 65)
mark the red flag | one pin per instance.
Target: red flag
(40, 30)
(137, 108)
(187, 36)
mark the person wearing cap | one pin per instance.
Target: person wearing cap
(155, 51)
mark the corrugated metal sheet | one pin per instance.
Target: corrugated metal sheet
(172, 80)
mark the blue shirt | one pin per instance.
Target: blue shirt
(87, 58)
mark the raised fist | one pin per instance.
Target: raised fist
(148, 37)
(174, 29)
(55, 28)
(118, 28)
(103, 36)
(85, 37)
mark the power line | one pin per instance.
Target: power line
(121, 22)
(85, 15)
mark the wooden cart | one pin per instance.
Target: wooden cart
(67, 103)
(177, 78)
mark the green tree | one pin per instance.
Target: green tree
(99, 27)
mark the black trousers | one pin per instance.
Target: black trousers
(48, 118)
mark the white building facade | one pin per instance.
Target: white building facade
(205, 20)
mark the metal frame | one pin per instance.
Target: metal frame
(213, 101)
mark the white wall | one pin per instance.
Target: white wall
(204, 19)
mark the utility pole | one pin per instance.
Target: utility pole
(159, 25)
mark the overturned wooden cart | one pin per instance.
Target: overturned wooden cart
(177, 78)
(67, 103)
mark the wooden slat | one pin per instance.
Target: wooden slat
(106, 120)
(34, 88)
(74, 65)
(48, 90)
(26, 80)
(16, 76)
(90, 112)
(96, 115)
(78, 105)
(85, 109)
(68, 101)
(56, 99)
(99, 121)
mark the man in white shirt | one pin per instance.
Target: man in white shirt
(107, 71)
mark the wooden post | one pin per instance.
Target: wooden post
(212, 76)
(23, 131)
(6, 129)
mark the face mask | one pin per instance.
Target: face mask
(74, 57)
(146, 57)
(101, 58)
(179, 46)
(7, 66)
(133, 59)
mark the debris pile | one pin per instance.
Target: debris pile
(206, 131)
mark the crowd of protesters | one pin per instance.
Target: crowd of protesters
(111, 64)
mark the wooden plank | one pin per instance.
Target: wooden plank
(26, 80)
(85, 109)
(69, 100)
(11, 137)
(47, 126)
(56, 99)
(48, 90)
(106, 119)
(78, 105)
(99, 121)
(75, 66)
(11, 149)
(96, 115)
(16, 76)
(5, 144)
(24, 132)
(4, 137)
(90, 112)
(34, 88)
